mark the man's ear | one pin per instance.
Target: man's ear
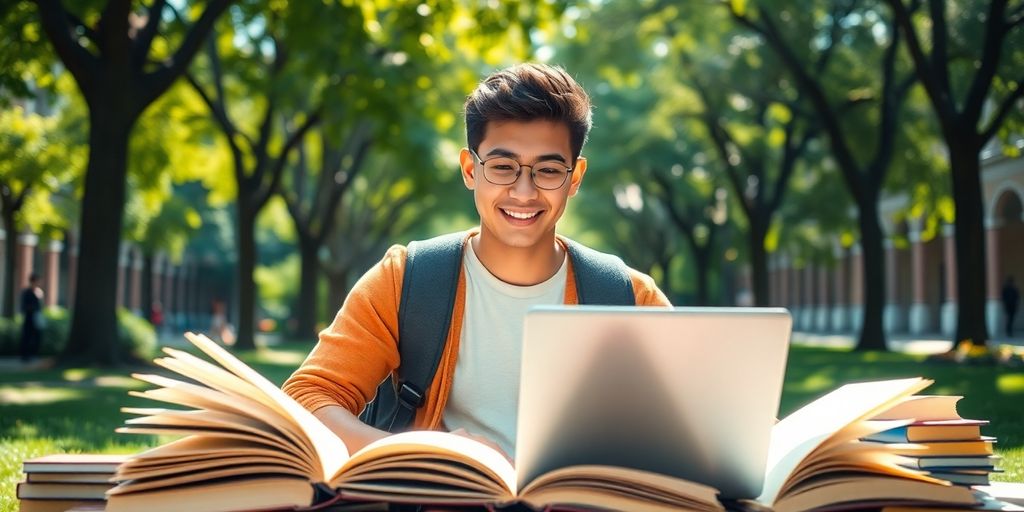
(467, 164)
(577, 176)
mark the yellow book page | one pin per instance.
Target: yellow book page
(643, 486)
(240, 462)
(923, 408)
(200, 475)
(331, 449)
(876, 490)
(219, 496)
(199, 397)
(440, 445)
(800, 433)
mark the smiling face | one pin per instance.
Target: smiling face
(520, 215)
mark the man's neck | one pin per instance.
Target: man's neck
(519, 266)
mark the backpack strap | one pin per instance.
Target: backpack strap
(429, 285)
(601, 278)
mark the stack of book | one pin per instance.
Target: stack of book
(67, 481)
(939, 441)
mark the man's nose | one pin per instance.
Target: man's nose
(524, 186)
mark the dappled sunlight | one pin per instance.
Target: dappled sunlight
(814, 383)
(1011, 384)
(78, 374)
(37, 395)
(279, 357)
(118, 381)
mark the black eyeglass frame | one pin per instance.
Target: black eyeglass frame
(519, 171)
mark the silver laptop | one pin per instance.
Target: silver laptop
(687, 392)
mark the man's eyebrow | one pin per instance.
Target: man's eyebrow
(511, 154)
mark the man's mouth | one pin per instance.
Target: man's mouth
(521, 215)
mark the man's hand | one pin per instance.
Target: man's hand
(347, 426)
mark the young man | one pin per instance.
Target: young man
(525, 129)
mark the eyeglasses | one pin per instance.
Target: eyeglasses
(502, 170)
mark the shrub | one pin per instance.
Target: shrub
(135, 336)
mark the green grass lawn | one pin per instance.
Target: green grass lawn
(50, 411)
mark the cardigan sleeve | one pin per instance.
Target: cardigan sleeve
(646, 291)
(360, 348)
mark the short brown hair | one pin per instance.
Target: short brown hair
(528, 92)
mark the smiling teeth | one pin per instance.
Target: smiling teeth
(522, 216)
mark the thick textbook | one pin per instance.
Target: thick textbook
(247, 445)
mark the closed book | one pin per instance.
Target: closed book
(962, 477)
(39, 505)
(955, 430)
(980, 447)
(937, 463)
(62, 491)
(74, 463)
(70, 478)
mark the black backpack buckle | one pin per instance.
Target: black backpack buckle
(410, 396)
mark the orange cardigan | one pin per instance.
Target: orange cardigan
(360, 347)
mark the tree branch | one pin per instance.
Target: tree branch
(144, 41)
(82, 64)
(262, 196)
(220, 115)
(1003, 111)
(814, 92)
(339, 190)
(940, 98)
(991, 54)
(162, 78)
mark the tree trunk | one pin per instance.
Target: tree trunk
(246, 270)
(306, 307)
(969, 227)
(701, 258)
(93, 335)
(336, 291)
(11, 252)
(756, 234)
(872, 333)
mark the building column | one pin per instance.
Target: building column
(840, 300)
(949, 307)
(3, 263)
(170, 271)
(51, 284)
(123, 261)
(892, 316)
(994, 315)
(856, 288)
(72, 243)
(822, 314)
(783, 279)
(796, 296)
(26, 260)
(181, 282)
(809, 302)
(156, 281)
(918, 306)
(135, 297)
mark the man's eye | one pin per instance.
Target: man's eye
(502, 167)
(551, 170)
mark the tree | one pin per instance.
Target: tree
(816, 76)
(972, 99)
(759, 144)
(313, 210)
(111, 58)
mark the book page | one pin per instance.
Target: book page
(331, 449)
(923, 408)
(590, 484)
(800, 433)
(186, 394)
(440, 445)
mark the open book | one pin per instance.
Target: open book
(248, 445)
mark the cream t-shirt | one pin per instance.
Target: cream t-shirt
(485, 390)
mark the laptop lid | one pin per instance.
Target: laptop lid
(687, 392)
